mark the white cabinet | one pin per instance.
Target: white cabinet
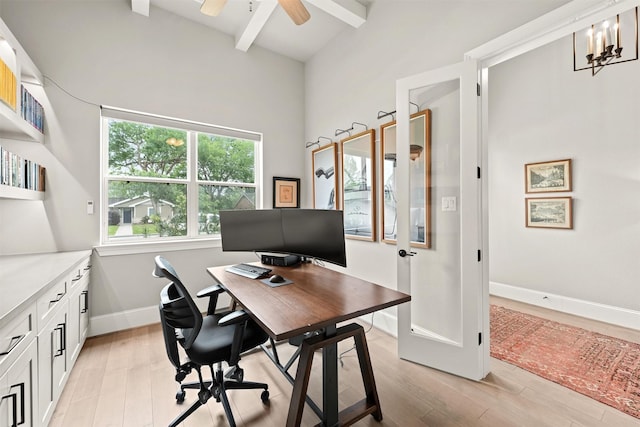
(44, 319)
(52, 364)
(16, 390)
(78, 321)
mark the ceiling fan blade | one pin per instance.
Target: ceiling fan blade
(212, 7)
(296, 11)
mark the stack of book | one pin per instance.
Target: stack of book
(32, 110)
(16, 171)
(8, 92)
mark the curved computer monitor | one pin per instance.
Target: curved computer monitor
(311, 233)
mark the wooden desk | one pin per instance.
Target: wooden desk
(317, 299)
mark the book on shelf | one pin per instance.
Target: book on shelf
(31, 110)
(8, 88)
(16, 171)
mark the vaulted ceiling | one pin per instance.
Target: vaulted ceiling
(264, 23)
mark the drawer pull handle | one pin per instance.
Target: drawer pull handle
(58, 298)
(87, 268)
(63, 339)
(14, 407)
(22, 404)
(85, 298)
(75, 279)
(12, 344)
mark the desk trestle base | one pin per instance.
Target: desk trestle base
(370, 405)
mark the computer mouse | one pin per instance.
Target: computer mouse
(276, 279)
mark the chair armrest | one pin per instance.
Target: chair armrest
(233, 318)
(211, 290)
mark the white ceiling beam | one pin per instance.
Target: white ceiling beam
(256, 24)
(348, 11)
(140, 6)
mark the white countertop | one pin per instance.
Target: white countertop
(25, 277)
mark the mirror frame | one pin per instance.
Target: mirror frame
(420, 190)
(365, 153)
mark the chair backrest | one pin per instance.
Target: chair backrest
(177, 308)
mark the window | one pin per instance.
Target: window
(167, 179)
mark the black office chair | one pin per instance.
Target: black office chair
(209, 340)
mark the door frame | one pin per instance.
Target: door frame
(550, 27)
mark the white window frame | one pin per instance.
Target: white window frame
(193, 239)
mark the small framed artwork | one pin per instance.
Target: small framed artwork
(286, 192)
(359, 186)
(419, 180)
(325, 179)
(549, 212)
(546, 177)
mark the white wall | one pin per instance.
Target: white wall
(100, 52)
(540, 109)
(354, 77)
(103, 53)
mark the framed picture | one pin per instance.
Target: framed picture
(549, 212)
(546, 177)
(419, 180)
(358, 186)
(325, 179)
(286, 192)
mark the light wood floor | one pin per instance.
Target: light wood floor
(125, 379)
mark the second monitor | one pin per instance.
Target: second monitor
(311, 233)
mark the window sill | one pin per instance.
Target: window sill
(131, 248)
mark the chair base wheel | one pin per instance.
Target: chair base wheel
(264, 396)
(180, 396)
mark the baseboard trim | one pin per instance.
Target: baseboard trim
(383, 321)
(128, 319)
(595, 311)
(113, 322)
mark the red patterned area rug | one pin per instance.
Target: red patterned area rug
(604, 368)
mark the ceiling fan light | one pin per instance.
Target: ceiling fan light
(296, 11)
(212, 7)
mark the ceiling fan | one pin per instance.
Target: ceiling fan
(294, 8)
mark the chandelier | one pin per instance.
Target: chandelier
(603, 44)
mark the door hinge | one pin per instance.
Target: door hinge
(478, 172)
(478, 88)
(479, 338)
(479, 255)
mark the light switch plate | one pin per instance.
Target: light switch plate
(449, 203)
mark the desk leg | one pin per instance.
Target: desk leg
(330, 380)
(300, 385)
(331, 417)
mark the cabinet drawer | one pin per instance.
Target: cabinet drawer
(49, 302)
(15, 336)
(80, 273)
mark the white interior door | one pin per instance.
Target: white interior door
(446, 324)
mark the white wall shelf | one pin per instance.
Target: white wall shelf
(12, 125)
(7, 192)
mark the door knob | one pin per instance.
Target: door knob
(404, 253)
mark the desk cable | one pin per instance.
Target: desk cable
(354, 345)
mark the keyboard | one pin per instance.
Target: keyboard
(248, 270)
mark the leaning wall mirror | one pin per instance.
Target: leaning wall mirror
(358, 186)
(419, 176)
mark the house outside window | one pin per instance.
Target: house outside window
(167, 179)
